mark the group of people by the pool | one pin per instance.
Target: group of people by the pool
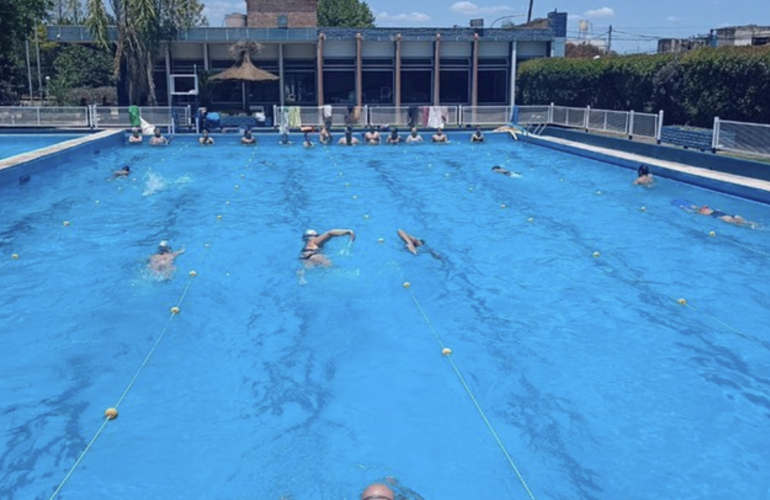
(371, 137)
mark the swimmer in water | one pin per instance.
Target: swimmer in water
(308, 143)
(393, 138)
(162, 262)
(644, 177)
(413, 137)
(206, 139)
(135, 137)
(123, 172)
(311, 253)
(439, 136)
(477, 135)
(324, 137)
(285, 139)
(248, 138)
(500, 170)
(717, 214)
(348, 139)
(158, 139)
(411, 242)
(372, 137)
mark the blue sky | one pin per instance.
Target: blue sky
(635, 24)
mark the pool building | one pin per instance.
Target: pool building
(319, 66)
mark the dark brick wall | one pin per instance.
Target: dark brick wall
(264, 13)
(558, 22)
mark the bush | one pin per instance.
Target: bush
(731, 82)
(91, 95)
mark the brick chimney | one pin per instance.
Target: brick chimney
(282, 13)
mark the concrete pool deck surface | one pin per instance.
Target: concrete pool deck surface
(747, 187)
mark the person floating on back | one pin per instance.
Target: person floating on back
(477, 135)
(644, 177)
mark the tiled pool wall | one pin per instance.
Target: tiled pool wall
(710, 161)
(26, 171)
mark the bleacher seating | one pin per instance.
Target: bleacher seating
(687, 137)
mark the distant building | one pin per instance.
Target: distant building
(669, 45)
(742, 35)
(282, 13)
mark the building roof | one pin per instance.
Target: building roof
(207, 34)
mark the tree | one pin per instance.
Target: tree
(345, 14)
(582, 50)
(17, 19)
(84, 66)
(141, 25)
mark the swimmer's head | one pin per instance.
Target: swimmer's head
(126, 168)
(163, 247)
(643, 170)
(440, 130)
(247, 133)
(156, 132)
(377, 491)
(310, 233)
(135, 131)
(497, 167)
(394, 132)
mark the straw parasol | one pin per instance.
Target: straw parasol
(244, 70)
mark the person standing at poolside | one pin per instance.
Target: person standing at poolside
(477, 135)
(205, 139)
(439, 136)
(644, 177)
(312, 251)
(158, 139)
(413, 137)
(162, 262)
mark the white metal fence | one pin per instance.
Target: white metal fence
(400, 116)
(628, 123)
(753, 138)
(27, 116)
(91, 116)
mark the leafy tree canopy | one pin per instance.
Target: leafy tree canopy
(17, 18)
(345, 14)
(85, 67)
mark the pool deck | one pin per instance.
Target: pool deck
(673, 167)
(56, 148)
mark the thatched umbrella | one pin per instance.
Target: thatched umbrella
(244, 70)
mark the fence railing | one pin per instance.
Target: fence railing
(740, 137)
(628, 123)
(91, 116)
(27, 116)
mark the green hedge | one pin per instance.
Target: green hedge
(691, 88)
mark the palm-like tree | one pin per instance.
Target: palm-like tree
(141, 25)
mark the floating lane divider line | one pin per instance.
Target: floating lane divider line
(447, 352)
(112, 412)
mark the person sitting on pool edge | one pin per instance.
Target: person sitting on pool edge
(248, 138)
(123, 172)
(500, 170)
(324, 137)
(162, 262)
(158, 139)
(413, 137)
(717, 214)
(477, 135)
(314, 242)
(644, 177)
(439, 136)
(135, 137)
(348, 139)
(205, 139)
(372, 137)
(393, 138)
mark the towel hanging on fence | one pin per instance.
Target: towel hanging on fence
(295, 117)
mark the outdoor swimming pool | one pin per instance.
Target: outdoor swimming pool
(15, 144)
(597, 382)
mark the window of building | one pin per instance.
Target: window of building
(416, 86)
(760, 41)
(493, 86)
(339, 87)
(299, 87)
(377, 87)
(453, 87)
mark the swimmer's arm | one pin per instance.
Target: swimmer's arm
(333, 233)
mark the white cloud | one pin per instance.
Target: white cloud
(672, 19)
(602, 12)
(412, 17)
(471, 9)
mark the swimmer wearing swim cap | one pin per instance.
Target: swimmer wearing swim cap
(123, 172)
(162, 262)
(312, 251)
(500, 170)
(644, 177)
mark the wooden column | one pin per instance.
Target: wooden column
(359, 83)
(436, 69)
(475, 72)
(281, 96)
(320, 70)
(398, 71)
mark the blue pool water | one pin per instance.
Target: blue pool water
(597, 382)
(16, 144)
